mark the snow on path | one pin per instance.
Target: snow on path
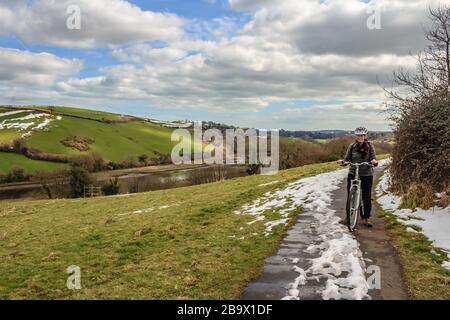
(312, 193)
(340, 260)
(435, 222)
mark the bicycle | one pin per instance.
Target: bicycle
(354, 200)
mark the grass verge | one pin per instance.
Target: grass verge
(424, 275)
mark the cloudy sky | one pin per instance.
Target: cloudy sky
(292, 64)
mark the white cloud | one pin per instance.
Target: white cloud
(274, 57)
(290, 50)
(251, 4)
(340, 26)
(343, 116)
(244, 73)
(144, 53)
(23, 68)
(103, 23)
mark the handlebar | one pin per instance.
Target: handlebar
(358, 164)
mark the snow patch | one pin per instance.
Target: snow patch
(435, 222)
(301, 280)
(143, 211)
(172, 124)
(30, 116)
(411, 230)
(147, 210)
(10, 113)
(29, 127)
(43, 124)
(14, 125)
(268, 184)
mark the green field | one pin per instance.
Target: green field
(10, 160)
(8, 135)
(113, 141)
(184, 251)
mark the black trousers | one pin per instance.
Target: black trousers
(366, 188)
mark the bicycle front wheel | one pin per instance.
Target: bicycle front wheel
(352, 209)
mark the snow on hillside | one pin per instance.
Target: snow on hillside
(435, 222)
(180, 125)
(9, 113)
(27, 124)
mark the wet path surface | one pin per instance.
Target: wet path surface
(281, 271)
(274, 283)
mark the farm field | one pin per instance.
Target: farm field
(114, 137)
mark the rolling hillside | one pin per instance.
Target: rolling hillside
(73, 132)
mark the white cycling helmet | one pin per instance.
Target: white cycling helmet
(361, 130)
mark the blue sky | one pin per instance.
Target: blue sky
(201, 9)
(293, 64)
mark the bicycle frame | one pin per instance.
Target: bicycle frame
(355, 197)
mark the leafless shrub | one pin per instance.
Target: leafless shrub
(420, 108)
(78, 143)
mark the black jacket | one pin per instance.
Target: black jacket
(354, 156)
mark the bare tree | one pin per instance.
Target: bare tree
(439, 37)
(433, 64)
(420, 108)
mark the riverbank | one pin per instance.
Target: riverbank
(136, 180)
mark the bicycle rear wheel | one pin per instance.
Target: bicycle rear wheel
(361, 210)
(352, 209)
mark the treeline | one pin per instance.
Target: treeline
(330, 134)
(299, 152)
(309, 135)
(67, 183)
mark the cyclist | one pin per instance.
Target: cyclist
(362, 151)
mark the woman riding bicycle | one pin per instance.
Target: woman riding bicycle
(362, 151)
